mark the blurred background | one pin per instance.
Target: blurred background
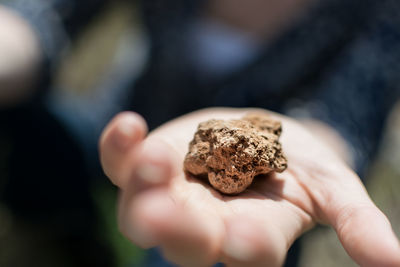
(113, 44)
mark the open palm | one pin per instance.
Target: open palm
(197, 226)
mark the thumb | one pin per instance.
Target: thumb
(367, 236)
(363, 230)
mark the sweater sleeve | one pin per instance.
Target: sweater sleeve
(357, 100)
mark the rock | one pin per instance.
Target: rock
(231, 153)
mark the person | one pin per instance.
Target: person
(332, 62)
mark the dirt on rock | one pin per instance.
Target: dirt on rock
(232, 152)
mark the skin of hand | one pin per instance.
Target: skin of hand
(196, 226)
(19, 58)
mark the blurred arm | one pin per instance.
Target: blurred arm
(34, 36)
(19, 58)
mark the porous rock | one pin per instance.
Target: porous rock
(232, 152)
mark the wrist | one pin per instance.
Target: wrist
(332, 139)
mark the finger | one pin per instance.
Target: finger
(152, 170)
(249, 243)
(132, 218)
(367, 236)
(152, 164)
(362, 228)
(244, 246)
(185, 238)
(188, 238)
(261, 235)
(118, 140)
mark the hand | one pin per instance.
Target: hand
(19, 58)
(196, 226)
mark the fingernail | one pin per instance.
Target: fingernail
(125, 133)
(238, 247)
(151, 173)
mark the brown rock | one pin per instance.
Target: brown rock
(233, 152)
